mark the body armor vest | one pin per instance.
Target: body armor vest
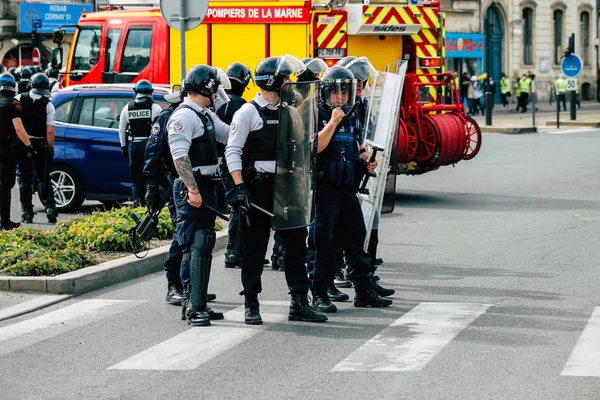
(7, 129)
(338, 162)
(140, 118)
(34, 115)
(203, 150)
(261, 145)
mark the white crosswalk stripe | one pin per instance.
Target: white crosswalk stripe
(22, 334)
(197, 346)
(585, 358)
(31, 305)
(410, 342)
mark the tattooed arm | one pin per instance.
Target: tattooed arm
(184, 169)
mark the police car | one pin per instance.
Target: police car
(88, 163)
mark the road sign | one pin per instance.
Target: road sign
(193, 12)
(37, 24)
(35, 57)
(46, 17)
(571, 66)
(571, 84)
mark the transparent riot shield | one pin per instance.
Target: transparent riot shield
(380, 128)
(295, 176)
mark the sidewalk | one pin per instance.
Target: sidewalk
(505, 120)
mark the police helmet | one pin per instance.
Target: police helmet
(359, 66)
(314, 68)
(40, 84)
(52, 73)
(238, 72)
(17, 74)
(26, 73)
(8, 83)
(272, 72)
(338, 87)
(143, 91)
(205, 80)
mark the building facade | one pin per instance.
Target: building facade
(531, 35)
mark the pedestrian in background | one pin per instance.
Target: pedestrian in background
(476, 95)
(560, 88)
(504, 90)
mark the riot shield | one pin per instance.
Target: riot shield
(295, 176)
(381, 126)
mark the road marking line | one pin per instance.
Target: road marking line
(32, 305)
(567, 132)
(410, 342)
(199, 345)
(585, 358)
(22, 334)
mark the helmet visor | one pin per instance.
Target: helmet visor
(174, 97)
(339, 93)
(316, 66)
(223, 78)
(289, 65)
(142, 97)
(361, 68)
(221, 98)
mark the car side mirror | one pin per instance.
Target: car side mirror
(57, 55)
(58, 36)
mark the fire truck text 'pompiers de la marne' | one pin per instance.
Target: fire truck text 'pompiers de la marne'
(126, 45)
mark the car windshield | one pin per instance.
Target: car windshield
(87, 49)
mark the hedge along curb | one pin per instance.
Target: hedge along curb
(97, 276)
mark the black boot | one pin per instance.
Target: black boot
(198, 317)
(213, 315)
(27, 216)
(335, 295)
(252, 316)
(232, 260)
(185, 301)
(322, 303)
(5, 221)
(8, 225)
(300, 310)
(211, 297)
(174, 294)
(200, 263)
(383, 292)
(340, 279)
(370, 299)
(51, 215)
(25, 196)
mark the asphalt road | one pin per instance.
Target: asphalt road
(495, 264)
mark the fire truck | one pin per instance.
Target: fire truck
(124, 46)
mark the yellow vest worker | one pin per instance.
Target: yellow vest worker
(560, 85)
(505, 85)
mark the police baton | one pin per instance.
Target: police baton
(348, 114)
(363, 188)
(262, 210)
(184, 195)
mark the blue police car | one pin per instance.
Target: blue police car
(88, 163)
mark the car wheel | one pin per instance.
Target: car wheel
(67, 187)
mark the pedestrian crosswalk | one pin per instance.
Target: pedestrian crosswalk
(407, 343)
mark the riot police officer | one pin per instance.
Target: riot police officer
(160, 172)
(12, 132)
(193, 132)
(25, 80)
(336, 204)
(52, 74)
(251, 153)
(134, 130)
(39, 120)
(240, 76)
(314, 68)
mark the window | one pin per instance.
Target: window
(87, 49)
(63, 111)
(136, 54)
(112, 44)
(585, 37)
(528, 36)
(102, 112)
(558, 35)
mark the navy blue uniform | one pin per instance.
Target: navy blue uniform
(157, 163)
(337, 208)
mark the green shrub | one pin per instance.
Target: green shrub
(33, 251)
(109, 230)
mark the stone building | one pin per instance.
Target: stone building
(526, 35)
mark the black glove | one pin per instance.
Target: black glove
(242, 197)
(125, 151)
(152, 197)
(30, 151)
(50, 153)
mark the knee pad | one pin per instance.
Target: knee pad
(204, 241)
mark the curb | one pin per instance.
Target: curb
(510, 131)
(98, 276)
(593, 124)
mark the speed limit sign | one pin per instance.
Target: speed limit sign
(571, 84)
